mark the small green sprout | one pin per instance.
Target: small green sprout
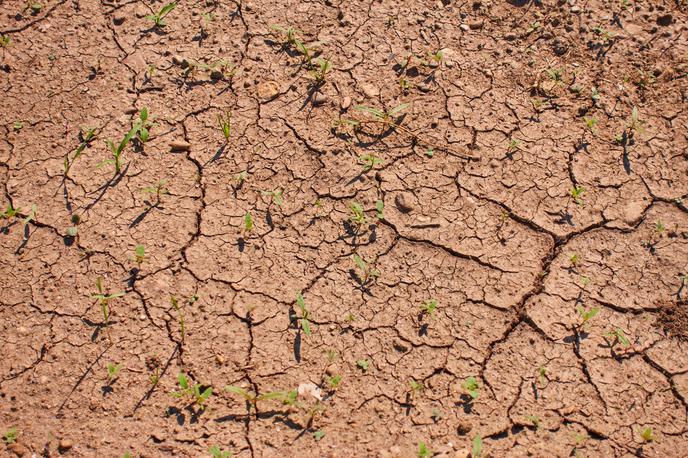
(364, 364)
(10, 436)
(113, 372)
(158, 189)
(159, 18)
(647, 435)
(430, 152)
(477, 447)
(180, 316)
(423, 450)
(368, 269)
(31, 216)
(590, 123)
(369, 161)
(304, 323)
(216, 452)
(535, 420)
(277, 196)
(575, 259)
(143, 125)
(248, 222)
(74, 230)
(286, 397)
(659, 226)
(358, 215)
(382, 115)
(594, 94)
(4, 41)
(293, 38)
(85, 139)
(11, 211)
(635, 124)
(319, 72)
(576, 193)
(604, 34)
(416, 388)
(192, 391)
(139, 254)
(470, 386)
(104, 299)
(586, 315)
(619, 337)
(119, 149)
(241, 176)
(317, 435)
(380, 208)
(224, 121)
(428, 307)
(334, 381)
(542, 374)
(555, 74)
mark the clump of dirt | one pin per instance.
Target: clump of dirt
(673, 318)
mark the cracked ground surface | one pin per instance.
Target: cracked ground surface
(533, 187)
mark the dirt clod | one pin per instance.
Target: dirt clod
(180, 145)
(403, 202)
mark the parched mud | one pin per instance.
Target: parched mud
(528, 193)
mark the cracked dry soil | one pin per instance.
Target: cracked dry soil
(533, 187)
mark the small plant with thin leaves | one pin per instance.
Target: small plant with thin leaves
(113, 370)
(357, 214)
(428, 307)
(635, 125)
(363, 364)
(216, 452)
(104, 299)
(575, 259)
(647, 435)
(415, 388)
(85, 139)
(477, 446)
(11, 211)
(143, 124)
(117, 151)
(318, 435)
(10, 436)
(5, 41)
(379, 209)
(73, 230)
(368, 270)
(471, 387)
(576, 193)
(534, 420)
(252, 398)
(31, 216)
(385, 116)
(585, 316)
(320, 70)
(180, 317)
(333, 381)
(158, 190)
(139, 255)
(369, 161)
(303, 322)
(423, 450)
(248, 223)
(277, 196)
(618, 338)
(194, 392)
(224, 122)
(590, 123)
(159, 17)
(293, 39)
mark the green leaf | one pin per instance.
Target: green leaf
(300, 301)
(477, 447)
(360, 262)
(397, 109)
(374, 111)
(248, 222)
(183, 381)
(306, 326)
(423, 451)
(72, 231)
(140, 251)
(317, 435)
(237, 390)
(363, 364)
(167, 9)
(207, 393)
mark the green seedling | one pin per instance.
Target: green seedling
(385, 116)
(159, 17)
(332, 355)
(143, 125)
(618, 337)
(367, 268)
(535, 420)
(380, 208)
(85, 139)
(139, 255)
(73, 231)
(369, 161)
(216, 452)
(513, 146)
(555, 74)
(303, 322)
(320, 70)
(428, 307)
(158, 189)
(430, 152)
(575, 259)
(659, 227)
(31, 216)
(423, 450)
(241, 177)
(193, 392)
(11, 211)
(576, 193)
(590, 123)
(113, 372)
(542, 374)
(277, 197)
(358, 215)
(10, 436)
(404, 84)
(586, 315)
(248, 222)
(180, 317)
(416, 388)
(647, 435)
(4, 41)
(317, 435)
(364, 364)
(224, 122)
(604, 34)
(104, 299)
(436, 56)
(119, 149)
(17, 126)
(594, 94)
(34, 7)
(334, 381)
(477, 447)
(470, 386)
(293, 38)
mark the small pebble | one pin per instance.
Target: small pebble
(180, 145)
(464, 27)
(345, 103)
(65, 444)
(319, 98)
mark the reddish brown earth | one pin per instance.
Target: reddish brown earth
(499, 242)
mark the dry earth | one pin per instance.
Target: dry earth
(532, 190)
